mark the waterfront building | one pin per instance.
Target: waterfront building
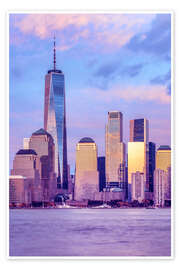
(70, 183)
(55, 120)
(115, 151)
(152, 164)
(86, 174)
(27, 164)
(138, 186)
(112, 194)
(19, 191)
(138, 150)
(160, 180)
(42, 142)
(168, 187)
(163, 157)
(102, 173)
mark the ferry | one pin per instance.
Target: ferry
(151, 207)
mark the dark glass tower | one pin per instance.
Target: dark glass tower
(139, 130)
(152, 163)
(55, 120)
(102, 173)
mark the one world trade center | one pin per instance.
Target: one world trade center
(55, 120)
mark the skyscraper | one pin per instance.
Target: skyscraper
(42, 142)
(115, 151)
(139, 130)
(163, 157)
(55, 120)
(87, 176)
(138, 186)
(138, 149)
(27, 164)
(102, 173)
(160, 180)
(152, 164)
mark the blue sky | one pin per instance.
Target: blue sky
(110, 61)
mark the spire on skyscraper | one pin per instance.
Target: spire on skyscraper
(54, 52)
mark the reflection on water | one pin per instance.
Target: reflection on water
(90, 232)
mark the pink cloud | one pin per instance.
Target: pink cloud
(156, 93)
(111, 30)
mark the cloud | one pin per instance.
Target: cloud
(157, 41)
(132, 70)
(100, 31)
(145, 93)
(107, 70)
(164, 80)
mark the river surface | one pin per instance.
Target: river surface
(90, 232)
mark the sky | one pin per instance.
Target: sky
(112, 61)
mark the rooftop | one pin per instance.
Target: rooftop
(164, 147)
(86, 140)
(54, 70)
(41, 131)
(26, 152)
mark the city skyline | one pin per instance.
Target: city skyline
(121, 82)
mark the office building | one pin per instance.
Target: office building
(27, 164)
(139, 130)
(160, 182)
(136, 158)
(42, 142)
(115, 151)
(138, 186)
(163, 157)
(152, 164)
(86, 175)
(55, 120)
(102, 173)
(138, 150)
(168, 187)
(20, 193)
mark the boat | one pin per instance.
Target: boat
(151, 207)
(102, 206)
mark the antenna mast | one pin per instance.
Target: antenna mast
(54, 52)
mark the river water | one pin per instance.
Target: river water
(90, 232)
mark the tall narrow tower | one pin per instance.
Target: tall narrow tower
(138, 149)
(115, 151)
(55, 119)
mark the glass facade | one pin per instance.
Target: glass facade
(102, 173)
(115, 150)
(139, 130)
(152, 162)
(55, 122)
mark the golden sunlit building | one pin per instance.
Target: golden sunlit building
(138, 150)
(163, 157)
(86, 176)
(136, 158)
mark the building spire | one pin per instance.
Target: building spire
(54, 61)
